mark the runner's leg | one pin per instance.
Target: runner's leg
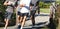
(6, 23)
(23, 21)
(18, 20)
(38, 10)
(33, 17)
(8, 16)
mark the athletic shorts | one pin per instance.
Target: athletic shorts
(8, 15)
(32, 12)
(18, 13)
(22, 14)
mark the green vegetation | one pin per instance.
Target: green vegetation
(44, 5)
(44, 10)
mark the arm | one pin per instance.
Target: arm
(51, 11)
(22, 5)
(30, 7)
(5, 3)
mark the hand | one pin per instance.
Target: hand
(5, 3)
(22, 5)
(30, 8)
(9, 3)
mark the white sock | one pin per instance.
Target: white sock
(18, 23)
(21, 28)
(4, 28)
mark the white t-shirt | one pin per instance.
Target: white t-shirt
(26, 8)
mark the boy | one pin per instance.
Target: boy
(32, 11)
(9, 11)
(38, 7)
(24, 10)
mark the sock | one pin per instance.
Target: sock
(18, 24)
(4, 28)
(21, 28)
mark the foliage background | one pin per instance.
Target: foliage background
(2, 12)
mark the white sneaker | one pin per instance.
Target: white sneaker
(4, 28)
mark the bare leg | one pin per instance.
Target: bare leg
(38, 10)
(23, 22)
(17, 20)
(21, 18)
(6, 21)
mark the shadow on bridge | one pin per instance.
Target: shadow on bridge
(41, 14)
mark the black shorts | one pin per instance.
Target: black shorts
(18, 13)
(22, 14)
(32, 12)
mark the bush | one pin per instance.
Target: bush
(41, 4)
(44, 5)
(2, 12)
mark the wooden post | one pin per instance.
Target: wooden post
(58, 16)
(16, 15)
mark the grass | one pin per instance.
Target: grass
(44, 10)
